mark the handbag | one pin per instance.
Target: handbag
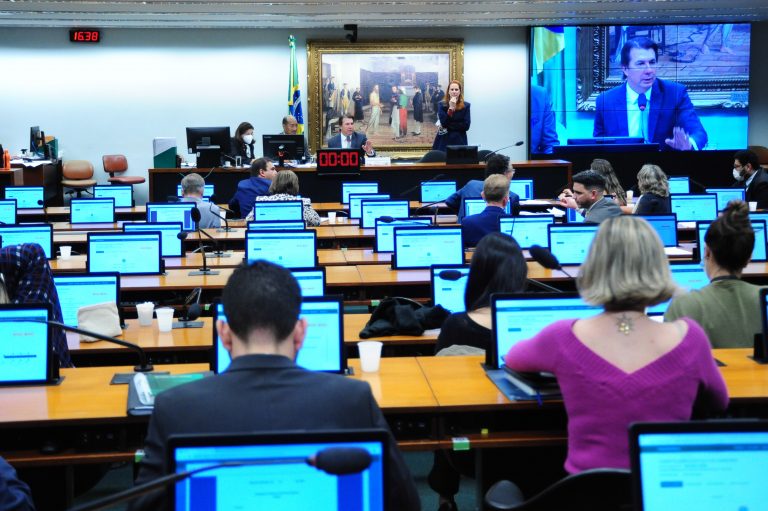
(101, 318)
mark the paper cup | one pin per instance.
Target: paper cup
(630, 195)
(331, 217)
(370, 355)
(66, 251)
(752, 207)
(145, 310)
(164, 319)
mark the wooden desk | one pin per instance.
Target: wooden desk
(354, 323)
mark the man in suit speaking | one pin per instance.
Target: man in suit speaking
(349, 138)
(658, 110)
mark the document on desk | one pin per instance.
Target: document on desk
(144, 387)
(677, 251)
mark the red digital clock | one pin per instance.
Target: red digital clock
(338, 161)
(84, 35)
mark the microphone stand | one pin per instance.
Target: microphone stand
(516, 144)
(204, 270)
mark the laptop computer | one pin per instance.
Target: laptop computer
(689, 276)
(92, 211)
(33, 361)
(16, 234)
(570, 243)
(275, 473)
(385, 231)
(527, 230)
(27, 197)
(679, 184)
(356, 199)
(291, 249)
(694, 207)
(421, 247)
(701, 465)
(172, 212)
(449, 281)
(77, 290)
(522, 187)
(123, 194)
(128, 253)
(371, 209)
(172, 246)
(8, 211)
(437, 191)
(311, 280)
(726, 195)
(759, 252)
(475, 206)
(665, 226)
(348, 188)
(276, 225)
(459, 154)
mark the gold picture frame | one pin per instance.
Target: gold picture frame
(405, 64)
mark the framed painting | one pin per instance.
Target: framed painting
(370, 79)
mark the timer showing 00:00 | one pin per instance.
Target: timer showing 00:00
(79, 35)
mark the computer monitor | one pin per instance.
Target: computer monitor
(92, 211)
(758, 252)
(355, 200)
(171, 245)
(694, 207)
(16, 234)
(27, 197)
(448, 285)
(527, 230)
(570, 243)
(679, 184)
(522, 187)
(208, 144)
(461, 154)
(385, 231)
(276, 225)
(725, 195)
(476, 206)
(519, 316)
(311, 280)
(77, 290)
(123, 194)
(8, 211)
(26, 345)
(292, 146)
(128, 253)
(355, 187)
(36, 141)
(688, 276)
(207, 191)
(292, 249)
(172, 212)
(421, 247)
(371, 209)
(278, 210)
(665, 226)
(275, 474)
(437, 191)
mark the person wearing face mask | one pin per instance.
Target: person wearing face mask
(243, 144)
(453, 114)
(748, 174)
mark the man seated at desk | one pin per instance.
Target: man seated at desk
(588, 196)
(496, 195)
(263, 389)
(192, 188)
(262, 174)
(351, 139)
(496, 164)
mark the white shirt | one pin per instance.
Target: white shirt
(637, 121)
(346, 143)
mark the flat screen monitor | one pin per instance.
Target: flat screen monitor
(378, 208)
(355, 187)
(522, 187)
(461, 154)
(572, 216)
(128, 253)
(448, 285)
(385, 231)
(276, 225)
(679, 184)
(35, 140)
(172, 246)
(172, 212)
(207, 191)
(16, 234)
(292, 249)
(517, 317)
(26, 346)
(92, 211)
(726, 195)
(123, 194)
(275, 470)
(278, 210)
(758, 252)
(210, 137)
(27, 197)
(437, 191)
(694, 207)
(688, 276)
(77, 290)
(311, 280)
(756, 215)
(421, 247)
(570, 243)
(527, 230)
(292, 146)
(8, 211)
(355, 200)
(475, 206)
(665, 226)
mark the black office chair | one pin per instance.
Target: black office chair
(599, 489)
(483, 155)
(433, 156)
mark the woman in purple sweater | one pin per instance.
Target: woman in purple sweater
(619, 366)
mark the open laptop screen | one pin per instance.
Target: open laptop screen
(726, 195)
(85, 211)
(278, 210)
(292, 249)
(356, 199)
(436, 191)
(123, 194)
(42, 234)
(129, 253)
(448, 285)
(522, 187)
(77, 290)
(373, 209)
(475, 206)
(421, 247)
(311, 280)
(694, 208)
(172, 212)
(570, 243)
(758, 252)
(276, 225)
(8, 211)
(25, 346)
(385, 231)
(347, 188)
(27, 197)
(172, 246)
(688, 276)
(527, 230)
(679, 184)
(665, 226)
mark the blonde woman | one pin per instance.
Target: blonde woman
(654, 189)
(286, 187)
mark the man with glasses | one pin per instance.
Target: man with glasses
(749, 174)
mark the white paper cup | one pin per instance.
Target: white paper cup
(331, 217)
(370, 355)
(630, 195)
(66, 251)
(164, 319)
(145, 310)
(752, 207)
(227, 164)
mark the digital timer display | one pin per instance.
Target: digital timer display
(338, 161)
(84, 35)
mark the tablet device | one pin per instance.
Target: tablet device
(172, 245)
(679, 184)
(355, 200)
(385, 231)
(448, 285)
(92, 211)
(726, 195)
(421, 247)
(693, 207)
(758, 252)
(8, 211)
(348, 188)
(437, 191)
(522, 187)
(276, 225)
(77, 290)
(665, 226)
(26, 345)
(123, 194)
(16, 234)
(688, 276)
(27, 197)
(128, 253)
(528, 230)
(570, 243)
(311, 280)
(278, 210)
(371, 209)
(172, 212)
(475, 206)
(291, 249)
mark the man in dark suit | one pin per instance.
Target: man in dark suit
(496, 194)
(658, 110)
(496, 164)
(543, 126)
(588, 196)
(750, 175)
(263, 389)
(348, 138)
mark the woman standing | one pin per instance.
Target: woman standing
(375, 102)
(453, 115)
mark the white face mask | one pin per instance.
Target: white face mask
(248, 139)
(737, 175)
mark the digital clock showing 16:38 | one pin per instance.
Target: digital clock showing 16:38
(84, 35)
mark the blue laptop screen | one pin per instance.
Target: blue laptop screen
(27, 197)
(758, 253)
(475, 206)
(207, 191)
(694, 208)
(436, 191)
(347, 188)
(522, 187)
(356, 199)
(679, 185)
(570, 243)
(30, 233)
(123, 195)
(171, 245)
(385, 231)
(689, 277)
(421, 247)
(129, 253)
(276, 225)
(311, 282)
(278, 210)
(8, 211)
(726, 195)
(83, 211)
(665, 226)
(292, 249)
(77, 291)
(373, 209)
(448, 285)
(527, 230)
(172, 212)
(23, 345)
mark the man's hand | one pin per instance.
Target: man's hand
(368, 148)
(679, 140)
(568, 201)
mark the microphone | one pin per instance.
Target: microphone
(232, 159)
(516, 144)
(331, 460)
(411, 189)
(544, 286)
(642, 102)
(226, 227)
(204, 270)
(192, 311)
(545, 258)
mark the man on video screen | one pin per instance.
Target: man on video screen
(658, 110)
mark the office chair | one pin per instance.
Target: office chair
(483, 155)
(78, 175)
(433, 156)
(762, 154)
(117, 164)
(599, 489)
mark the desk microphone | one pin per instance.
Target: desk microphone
(411, 189)
(516, 144)
(192, 311)
(545, 258)
(226, 228)
(436, 205)
(183, 235)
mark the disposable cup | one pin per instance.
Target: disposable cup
(145, 310)
(370, 355)
(331, 217)
(630, 195)
(753, 206)
(66, 251)
(164, 319)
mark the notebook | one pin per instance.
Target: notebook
(172, 246)
(207, 191)
(665, 226)
(421, 247)
(385, 231)
(679, 184)
(448, 285)
(357, 188)
(16, 234)
(31, 362)
(123, 194)
(276, 225)
(292, 249)
(283, 480)
(570, 243)
(278, 210)
(688, 276)
(77, 290)
(758, 253)
(475, 206)
(356, 199)
(27, 197)
(694, 208)
(311, 280)
(92, 211)
(8, 211)
(522, 187)
(726, 195)
(527, 230)
(128, 253)
(437, 191)
(172, 212)
(699, 465)
(371, 209)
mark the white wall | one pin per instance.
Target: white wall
(116, 96)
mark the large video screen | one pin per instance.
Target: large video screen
(646, 87)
